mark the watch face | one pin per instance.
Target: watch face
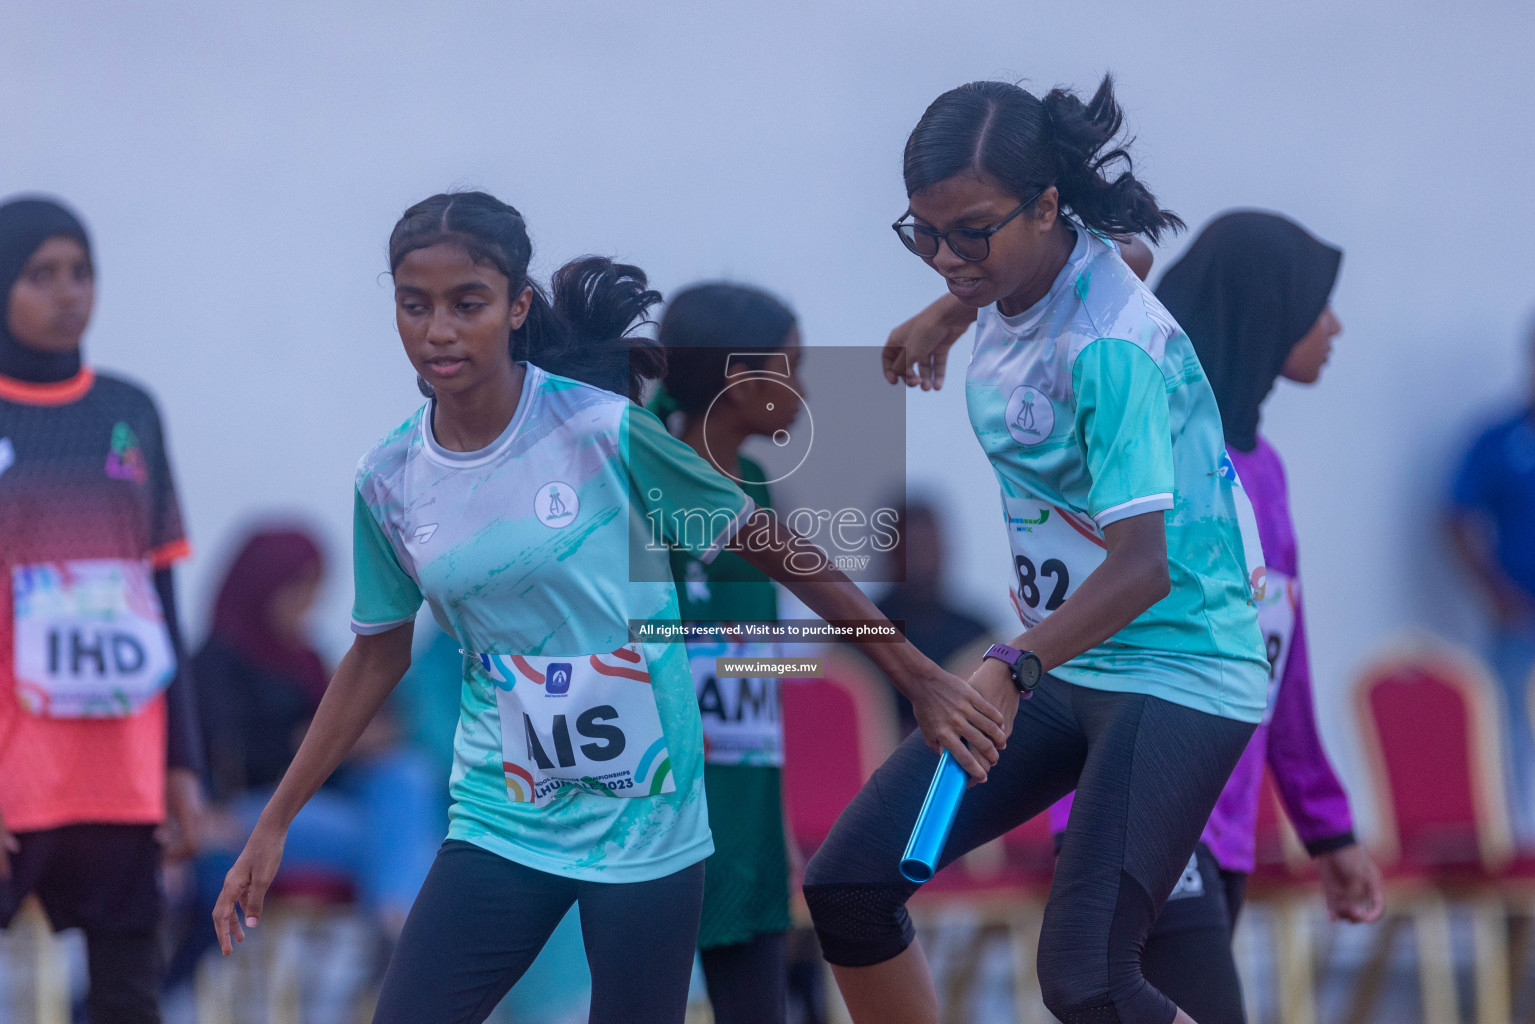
(1029, 670)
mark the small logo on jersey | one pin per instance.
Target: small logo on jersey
(1227, 470)
(556, 504)
(557, 678)
(126, 459)
(1030, 416)
(424, 532)
(7, 454)
(1191, 884)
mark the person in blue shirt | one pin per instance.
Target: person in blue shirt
(1492, 528)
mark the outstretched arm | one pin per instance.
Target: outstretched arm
(365, 678)
(950, 713)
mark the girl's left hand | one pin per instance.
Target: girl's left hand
(1351, 885)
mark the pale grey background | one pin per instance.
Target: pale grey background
(241, 165)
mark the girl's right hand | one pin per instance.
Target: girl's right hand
(246, 885)
(953, 716)
(917, 352)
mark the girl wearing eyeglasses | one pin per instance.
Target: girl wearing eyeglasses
(1133, 552)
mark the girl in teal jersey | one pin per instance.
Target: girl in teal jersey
(533, 507)
(1130, 560)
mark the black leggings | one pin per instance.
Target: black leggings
(1188, 953)
(1146, 772)
(748, 982)
(481, 919)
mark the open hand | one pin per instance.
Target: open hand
(246, 885)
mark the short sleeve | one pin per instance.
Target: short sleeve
(699, 510)
(1471, 487)
(167, 534)
(386, 596)
(1122, 425)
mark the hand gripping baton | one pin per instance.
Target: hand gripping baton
(934, 821)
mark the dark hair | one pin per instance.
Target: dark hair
(706, 324)
(1029, 144)
(582, 331)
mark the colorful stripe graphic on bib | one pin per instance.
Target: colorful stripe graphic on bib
(519, 783)
(658, 780)
(622, 671)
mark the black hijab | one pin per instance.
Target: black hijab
(25, 224)
(1246, 291)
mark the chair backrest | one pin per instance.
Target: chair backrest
(1428, 714)
(837, 730)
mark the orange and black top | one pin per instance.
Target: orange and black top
(83, 475)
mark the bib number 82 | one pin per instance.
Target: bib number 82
(1029, 579)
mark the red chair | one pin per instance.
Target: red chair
(1284, 882)
(1428, 716)
(837, 730)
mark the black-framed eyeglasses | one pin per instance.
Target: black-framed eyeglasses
(972, 245)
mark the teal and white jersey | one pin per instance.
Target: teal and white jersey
(577, 752)
(1092, 408)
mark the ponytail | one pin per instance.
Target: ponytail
(1028, 145)
(582, 331)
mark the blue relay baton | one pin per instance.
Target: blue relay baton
(934, 821)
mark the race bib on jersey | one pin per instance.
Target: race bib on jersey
(742, 717)
(588, 722)
(1053, 552)
(90, 638)
(1276, 618)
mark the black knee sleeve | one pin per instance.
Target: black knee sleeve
(860, 925)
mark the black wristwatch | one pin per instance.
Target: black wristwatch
(1022, 666)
